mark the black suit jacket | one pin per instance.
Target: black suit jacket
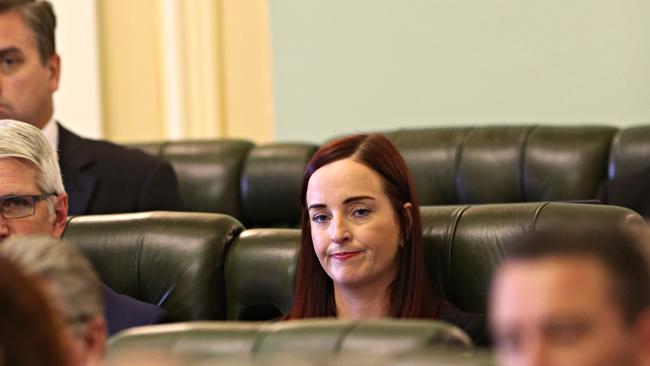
(101, 178)
(631, 191)
(122, 312)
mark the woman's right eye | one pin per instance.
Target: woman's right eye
(319, 218)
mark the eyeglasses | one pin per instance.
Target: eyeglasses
(15, 207)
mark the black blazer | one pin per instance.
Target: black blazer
(101, 177)
(122, 312)
(631, 191)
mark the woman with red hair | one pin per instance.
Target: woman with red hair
(361, 252)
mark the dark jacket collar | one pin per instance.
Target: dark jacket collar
(77, 159)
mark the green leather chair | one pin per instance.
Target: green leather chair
(630, 151)
(209, 173)
(318, 338)
(463, 245)
(260, 185)
(498, 164)
(270, 184)
(173, 259)
(260, 273)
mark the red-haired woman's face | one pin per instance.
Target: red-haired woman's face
(354, 228)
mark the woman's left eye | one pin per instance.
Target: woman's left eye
(361, 212)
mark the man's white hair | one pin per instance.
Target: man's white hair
(24, 142)
(72, 284)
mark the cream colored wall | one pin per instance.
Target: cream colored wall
(130, 63)
(247, 69)
(77, 103)
(346, 65)
(176, 69)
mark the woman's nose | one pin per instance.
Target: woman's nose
(339, 230)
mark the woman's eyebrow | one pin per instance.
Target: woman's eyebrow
(316, 205)
(358, 198)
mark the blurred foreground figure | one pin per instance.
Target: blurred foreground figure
(573, 298)
(31, 333)
(72, 286)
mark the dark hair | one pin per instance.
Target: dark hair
(410, 294)
(618, 250)
(39, 17)
(31, 331)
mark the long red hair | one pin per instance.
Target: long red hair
(410, 292)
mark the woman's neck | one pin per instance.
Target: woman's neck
(362, 303)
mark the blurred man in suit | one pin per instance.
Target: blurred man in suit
(33, 201)
(99, 177)
(573, 298)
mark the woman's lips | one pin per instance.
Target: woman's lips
(345, 255)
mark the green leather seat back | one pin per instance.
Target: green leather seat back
(432, 156)
(566, 163)
(271, 182)
(630, 151)
(260, 273)
(498, 164)
(209, 173)
(464, 244)
(315, 337)
(259, 185)
(174, 259)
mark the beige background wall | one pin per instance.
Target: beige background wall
(78, 100)
(346, 65)
(185, 69)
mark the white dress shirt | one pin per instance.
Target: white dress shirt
(51, 132)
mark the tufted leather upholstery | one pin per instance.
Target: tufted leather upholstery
(215, 169)
(318, 338)
(463, 245)
(173, 259)
(271, 182)
(630, 151)
(505, 164)
(259, 185)
(267, 291)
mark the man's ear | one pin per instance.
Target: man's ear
(60, 215)
(53, 65)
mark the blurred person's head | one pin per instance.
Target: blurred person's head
(29, 65)
(361, 232)
(32, 196)
(31, 332)
(72, 286)
(572, 297)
